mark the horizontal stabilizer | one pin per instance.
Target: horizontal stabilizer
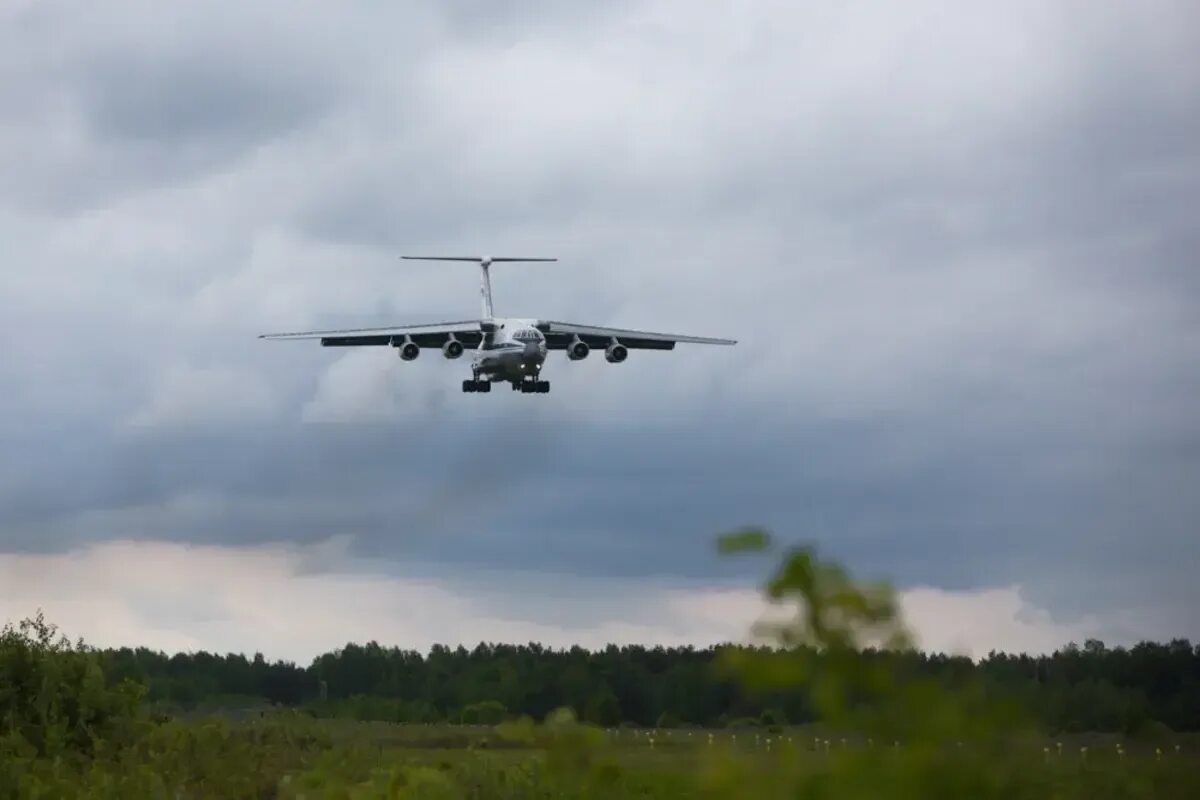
(476, 259)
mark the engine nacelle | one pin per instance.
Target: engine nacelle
(452, 349)
(409, 350)
(616, 353)
(578, 350)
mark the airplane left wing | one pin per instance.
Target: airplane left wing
(559, 336)
(469, 332)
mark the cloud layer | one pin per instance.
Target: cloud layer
(296, 603)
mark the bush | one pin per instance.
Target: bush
(54, 699)
(488, 712)
(744, 722)
(773, 718)
(1152, 732)
(603, 709)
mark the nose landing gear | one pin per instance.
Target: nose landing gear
(533, 387)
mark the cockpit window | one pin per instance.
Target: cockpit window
(526, 335)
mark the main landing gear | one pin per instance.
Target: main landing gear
(525, 386)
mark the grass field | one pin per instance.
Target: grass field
(290, 755)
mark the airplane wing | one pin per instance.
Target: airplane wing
(469, 332)
(560, 334)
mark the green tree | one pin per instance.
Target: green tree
(603, 708)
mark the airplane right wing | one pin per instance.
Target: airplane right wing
(559, 336)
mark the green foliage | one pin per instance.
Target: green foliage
(489, 712)
(667, 720)
(745, 722)
(1089, 688)
(820, 651)
(773, 719)
(893, 723)
(773, 716)
(54, 699)
(603, 708)
(1152, 732)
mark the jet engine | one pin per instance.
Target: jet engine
(409, 350)
(578, 350)
(616, 353)
(452, 349)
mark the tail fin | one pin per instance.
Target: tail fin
(485, 286)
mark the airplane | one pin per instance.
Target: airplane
(505, 349)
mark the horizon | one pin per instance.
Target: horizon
(1066, 647)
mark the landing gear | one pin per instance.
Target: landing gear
(534, 387)
(477, 386)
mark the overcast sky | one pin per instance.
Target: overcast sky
(957, 244)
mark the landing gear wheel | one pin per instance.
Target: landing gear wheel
(543, 387)
(483, 386)
(470, 386)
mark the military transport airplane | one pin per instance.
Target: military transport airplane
(505, 349)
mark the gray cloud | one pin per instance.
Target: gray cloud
(179, 98)
(957, 248)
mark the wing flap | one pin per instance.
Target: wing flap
(561, 341)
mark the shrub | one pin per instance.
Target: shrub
(773, 718)
(488, 712)
(54, 699)
(667, 720)
(744, 722)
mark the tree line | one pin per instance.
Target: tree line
(1078, 688)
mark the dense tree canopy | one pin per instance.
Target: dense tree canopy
(1092, 687)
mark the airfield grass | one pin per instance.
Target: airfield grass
(804, 761)
(291, 755)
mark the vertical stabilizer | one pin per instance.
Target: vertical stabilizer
(485, 287)
(485, 263)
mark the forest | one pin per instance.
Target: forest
(816, 714)
(1078, 688)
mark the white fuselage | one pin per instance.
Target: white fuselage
(514, 351)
